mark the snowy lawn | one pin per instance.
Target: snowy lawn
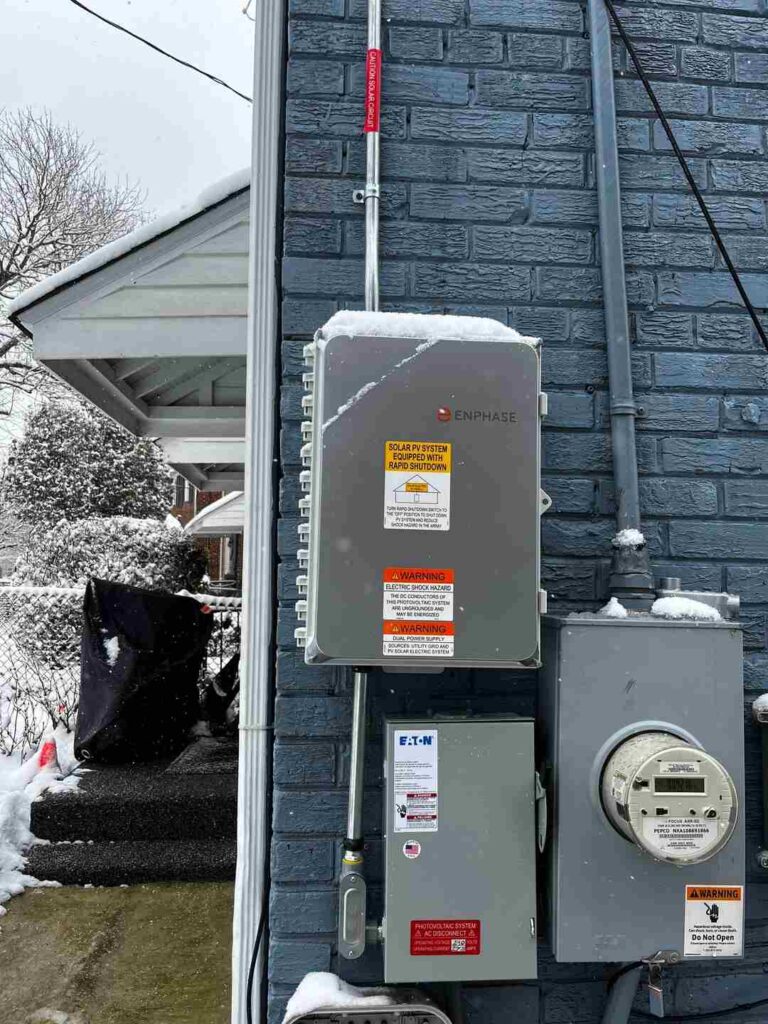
(53, 768)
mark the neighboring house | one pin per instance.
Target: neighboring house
(218, 527)
(489, 208)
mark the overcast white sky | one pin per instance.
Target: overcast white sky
(153, 121)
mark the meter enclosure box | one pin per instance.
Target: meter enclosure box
(460, 850)
(424, 458)
(606, 681)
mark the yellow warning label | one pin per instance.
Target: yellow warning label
(417, 457)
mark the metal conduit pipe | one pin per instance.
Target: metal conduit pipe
(619, 1004)
(631, 580)
(352, 885)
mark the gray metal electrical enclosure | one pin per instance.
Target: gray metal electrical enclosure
(603, 681)
(460, 850)
(423, 503)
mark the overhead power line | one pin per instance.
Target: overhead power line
(158, 49)
(688, 175)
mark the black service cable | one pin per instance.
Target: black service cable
(252, 965)
(739, 1008)
(687, 172)
(152, 46)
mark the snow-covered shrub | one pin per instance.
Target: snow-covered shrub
(74, 463)
(141, 552)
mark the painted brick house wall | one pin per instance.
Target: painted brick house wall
(489, 208)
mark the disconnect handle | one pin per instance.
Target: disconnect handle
(352, 913)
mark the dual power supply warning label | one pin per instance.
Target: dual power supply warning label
(418, 612)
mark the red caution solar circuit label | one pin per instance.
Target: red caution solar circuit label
(445, 938)
(410, 639)
(372, 91)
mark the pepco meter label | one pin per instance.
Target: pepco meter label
(417, 485)
(445, 938)
(415, 781)
(418, 594)
(714, 920)
(680, 835)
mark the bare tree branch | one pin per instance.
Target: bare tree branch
(56, 205)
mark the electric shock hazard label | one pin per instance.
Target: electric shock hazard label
(408, 639)
(445, 938)
(417, 485)
(714, 920)
(418, 594)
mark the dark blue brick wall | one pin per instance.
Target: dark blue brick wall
(489, 208)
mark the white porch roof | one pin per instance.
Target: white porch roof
(221, 518)
(151, 329)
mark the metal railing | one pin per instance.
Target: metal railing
(40, 658)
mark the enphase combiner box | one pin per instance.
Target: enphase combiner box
(460, 850)
(642, 726)
(422, 494)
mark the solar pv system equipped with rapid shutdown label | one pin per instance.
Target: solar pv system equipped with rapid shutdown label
(423, 501)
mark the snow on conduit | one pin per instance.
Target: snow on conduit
(322, 991)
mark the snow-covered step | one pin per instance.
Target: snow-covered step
(128, 863)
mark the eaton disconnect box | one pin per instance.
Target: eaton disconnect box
(460, 850)
(422, 498)
(642, 725)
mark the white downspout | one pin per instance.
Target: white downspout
(257, 621)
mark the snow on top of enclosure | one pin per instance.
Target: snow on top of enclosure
(684, 608)
(424, 326)
(320, 990)
(630, 538)
(210, 196)
(53, 767)
(614, 610)
(760, 703)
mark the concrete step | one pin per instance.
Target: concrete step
(129, 863)
(140, 803)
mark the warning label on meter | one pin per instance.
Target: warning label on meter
(445, 938)
(410, 639)
(418, 594)
(417, 485)
(415, 780)
(714, 920)
(680, 835)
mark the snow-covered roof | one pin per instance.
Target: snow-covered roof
(219, 519)
(209, 197)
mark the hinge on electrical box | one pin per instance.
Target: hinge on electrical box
(543, 403)
(543, 602)
(541, 813)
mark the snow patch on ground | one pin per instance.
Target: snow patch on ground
(112, 650)
(319, 990)
(628, 539)
(684, 608)
(427, 326)
(614, 610)
(52, 768)
(210, 196)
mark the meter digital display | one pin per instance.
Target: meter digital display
(679, 784)
(671, 799)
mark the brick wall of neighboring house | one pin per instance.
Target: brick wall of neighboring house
(489, 207)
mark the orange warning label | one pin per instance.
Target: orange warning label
(418, 628)
(723, 893)
(398, 574)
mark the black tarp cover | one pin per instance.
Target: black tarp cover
(141, 656)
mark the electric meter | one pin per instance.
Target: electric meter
(673, 800)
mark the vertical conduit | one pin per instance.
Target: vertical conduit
(631, 579)
(352, 885)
